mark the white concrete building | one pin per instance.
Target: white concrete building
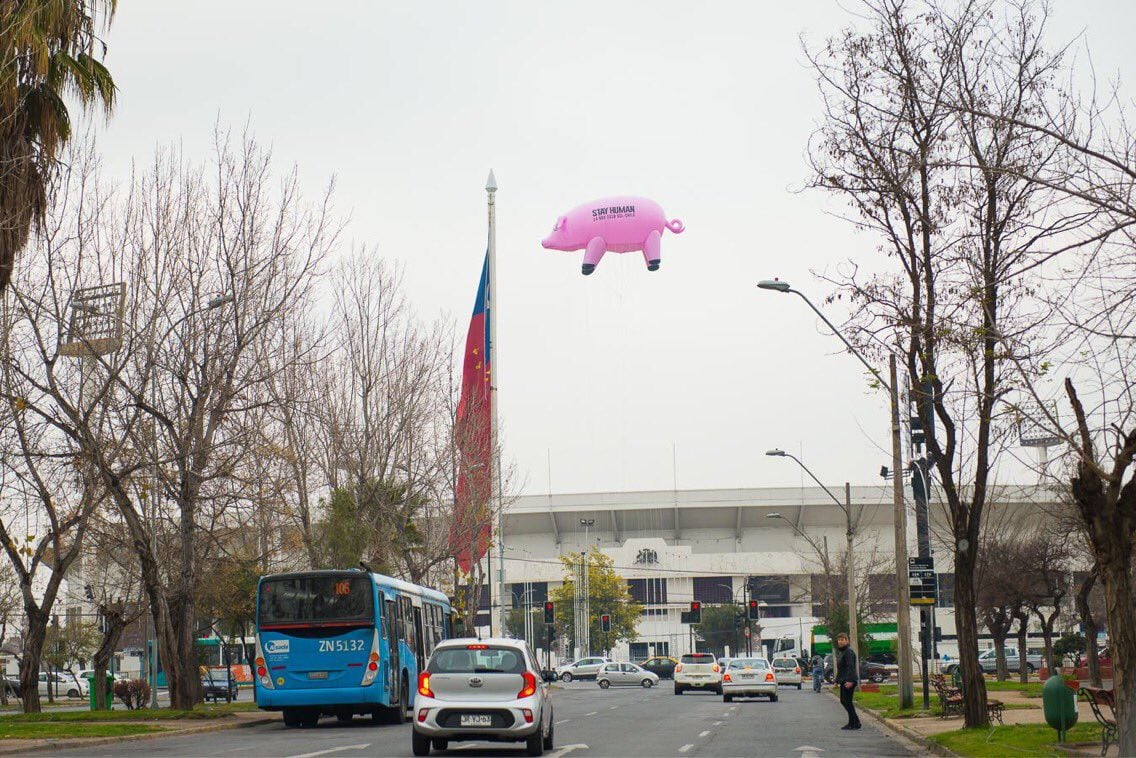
(674, 547)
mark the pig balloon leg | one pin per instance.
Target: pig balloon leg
(593, 255)
(652, 250)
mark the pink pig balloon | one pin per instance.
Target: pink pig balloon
(613, 224)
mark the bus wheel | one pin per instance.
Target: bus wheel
(402, 713)
(310, 719)
(344, 718)
(291, 717)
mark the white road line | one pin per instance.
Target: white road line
(562, 721)
(562, 751)
(719, 723)
(704, 734)
(613, 707)
(332, 750)
(593, 713)
(685, 748)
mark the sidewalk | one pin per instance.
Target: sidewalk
(166, 728)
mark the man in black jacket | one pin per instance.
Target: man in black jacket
(847, 678)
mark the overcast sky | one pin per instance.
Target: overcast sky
(704, 107)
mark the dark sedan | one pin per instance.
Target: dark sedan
(663, 666)
(870, 671)
(213, 689)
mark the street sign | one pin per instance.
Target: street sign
(924, 583)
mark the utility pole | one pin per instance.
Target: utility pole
(495, 462)
(903, 588)
(850, 569)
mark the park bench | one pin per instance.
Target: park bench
(950, 698)
(1099, 699)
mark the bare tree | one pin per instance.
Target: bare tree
(959, 228)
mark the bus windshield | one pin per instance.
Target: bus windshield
(316, 598)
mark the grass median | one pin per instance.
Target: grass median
(40, 730)
(220, 710)
(886, 703)
(1015, 739)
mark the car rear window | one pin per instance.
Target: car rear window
(698, 658)
(753, 663)
(784, 663)
(476, 659)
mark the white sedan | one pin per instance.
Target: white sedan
(787, 671)
(626, 674)
(748, 677)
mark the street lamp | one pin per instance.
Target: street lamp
(903, 590)
(849, 534)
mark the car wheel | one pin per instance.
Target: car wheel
(419, 743)
(648, 684)
(291, 717)
(604, 684)
(773, 698)
(678, 690)
(798, 685)
(727, 698)
(876, 677)
(1029, 668)
(718, 689)
(534, 745)
(72, 693)
(548, 738)
(441, 744)
(566, 676)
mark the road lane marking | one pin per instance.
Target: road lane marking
(685, 748)
(613, 707)
(703, 734)
(593, 713)
(565, 750)
(562, 721)
(332, 750)
(719, 723)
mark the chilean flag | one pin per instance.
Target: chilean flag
(472, 526)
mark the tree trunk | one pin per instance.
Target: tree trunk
(966, 626)
(111, 634)
(1117, 585)
(1085, 611)
(1023, 632)
(32, 653)
(1000, 633)
(1047, 643)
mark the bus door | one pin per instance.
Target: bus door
(390, 614)
(419, 652)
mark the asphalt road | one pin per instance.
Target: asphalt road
(623, 721)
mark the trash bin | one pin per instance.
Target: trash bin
(109, 689)
(956, 677)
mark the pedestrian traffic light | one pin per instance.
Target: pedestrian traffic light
(605, 623)
(752, 611)
(548, 615)
(695, 612)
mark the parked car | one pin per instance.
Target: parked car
(988, 660)
(214, 689)
(787, 671)
(585, 668)
(625, 673)
(662, 666)
(869, 671)
(482, 689)
(697, 671)
(63, 685)
(748, 677)
(88, 673)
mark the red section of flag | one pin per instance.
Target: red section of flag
(472, 526)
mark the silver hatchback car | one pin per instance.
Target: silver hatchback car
(488, 689)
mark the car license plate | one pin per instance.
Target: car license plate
(317, 675)
(745, 676)
(476, 719)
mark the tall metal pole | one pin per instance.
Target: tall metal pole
(495, 473)
(903, 588)
(853, 610)
(151, 626)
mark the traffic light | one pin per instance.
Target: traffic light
(548, 615)
(752, 611)
(695, 612)
(605, 623)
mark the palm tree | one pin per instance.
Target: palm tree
(47, 54)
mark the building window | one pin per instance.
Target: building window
(714, 590)
(881, 593)
(653, 612)
(771, 589)
(538, 593)
(648, 591)
(776, 611)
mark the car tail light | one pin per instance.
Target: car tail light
(424, 684)
(262, 670)
(422, 714)
(372, 669)
(529, 687)
(726, 678)
(476, 647)
(797, 670)
(769, 677)
(715, 668)
(678, 667)
(527, 714)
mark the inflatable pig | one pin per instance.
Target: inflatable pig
(613, 224)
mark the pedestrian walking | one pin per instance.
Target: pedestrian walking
(818, 672)
(847, 678)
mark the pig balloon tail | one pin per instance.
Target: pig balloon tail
(675, 226)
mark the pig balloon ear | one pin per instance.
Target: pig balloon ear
(560, 224)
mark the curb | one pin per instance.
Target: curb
(919, 740)
(74, 742)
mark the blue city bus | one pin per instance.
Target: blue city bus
(343, 643)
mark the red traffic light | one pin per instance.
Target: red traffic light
(548, 606)
(695, 606)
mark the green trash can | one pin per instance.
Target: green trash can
(109, 689)
(956, 677)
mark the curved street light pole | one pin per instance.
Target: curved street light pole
(903, 589)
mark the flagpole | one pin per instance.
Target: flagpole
(495, 473)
